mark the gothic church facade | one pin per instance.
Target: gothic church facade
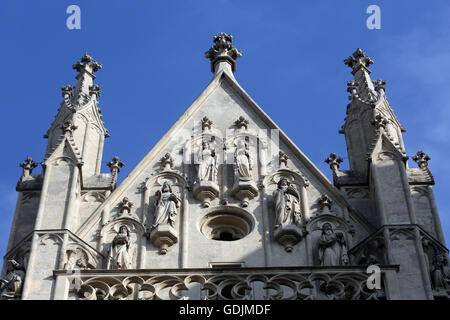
(226, 206)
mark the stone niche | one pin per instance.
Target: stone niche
(226, 223)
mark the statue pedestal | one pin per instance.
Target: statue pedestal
(288, 236)
(244, 190)
(206, 191)
(163, 237)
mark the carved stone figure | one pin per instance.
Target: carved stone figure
(332, 247)
(166, 206)
(122, 250)
(287, 204)
(243, 161)
(440, 273)
(11, 284)
(207, 170)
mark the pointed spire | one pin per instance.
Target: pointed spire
(86, 68)
(362, 87)
(223, 51)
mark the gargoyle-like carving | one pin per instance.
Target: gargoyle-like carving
(27, 166)
(332, 247)
(125, 206)
(421, 158)
(333, 160)
(11, 285)
(122, 250)
(167, 162)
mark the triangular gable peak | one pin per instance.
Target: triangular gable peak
(223, 102)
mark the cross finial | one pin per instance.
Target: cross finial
(115, 164)
(223, 49)
(27, 166)
(422, 159)
(324, 202)
(86, 63)
(333, 160)
(282, 159)
(358, 60)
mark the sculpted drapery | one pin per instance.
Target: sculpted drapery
(122, 250)
(166, 206)
(287, 204)
(243, 160)
(207, 170)
(332, 247)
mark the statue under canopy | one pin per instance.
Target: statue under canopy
(207, 170)
(332, 247)
(243, 161)
(167, 205)
(122, 250)
(287, 204)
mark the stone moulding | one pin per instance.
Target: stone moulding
(286, 283)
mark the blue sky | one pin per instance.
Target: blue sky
(154, 67)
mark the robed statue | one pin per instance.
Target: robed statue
(11, 285)
(207, 170)
(332, 247)
(122, 250)
(243, 161)
(287, 204)
(167, 205)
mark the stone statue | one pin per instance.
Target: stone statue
(207, 170)
(11, 284)
(287, 204)
(122, 250)
(332, 247)
(166, 206)
(243, 168)
(440, 273)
